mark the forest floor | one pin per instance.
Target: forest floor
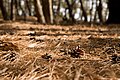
(31, 51)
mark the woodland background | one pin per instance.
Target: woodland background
(59, 11)
(59, 40)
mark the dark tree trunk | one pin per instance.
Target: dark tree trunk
(12, 15)
(114, 12)
(4, 11)
(28, 5)
(70, 10)
(83, 11)
(11, 12)
(46, 10)
(58, 9)
(99, 9)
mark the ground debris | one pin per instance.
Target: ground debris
(115, 58)
(53, 52)
(74, 52)
(9, 55)
(6, 46)
(46, 56)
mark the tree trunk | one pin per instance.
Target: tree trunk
(70, 10)
(12, 15)
(46, 10)
(4, 11)
(83, 11)
(39, 12)
(28, 5)
(114, 12)
(58, 9)
(51, 11)
(99, 9)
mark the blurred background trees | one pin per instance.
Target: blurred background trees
(61, 11)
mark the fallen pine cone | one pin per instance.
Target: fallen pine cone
(115, 58)
(75, 52)
(10, 56)
(46, 56)
(8, 46)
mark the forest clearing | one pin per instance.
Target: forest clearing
(59, 40)
(31, 51)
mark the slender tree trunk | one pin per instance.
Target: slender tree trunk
(16, 8)
(51, 11)
(70, 10)
(39, 12)
(11, 12)
(83, 11)
(114, 12)
(4, 11)
(57, 17)
(57, 12)
(91, 15)
(23, 8)
(12, 15)
(58, 9)
(46, 10)
(95, 13)
(99, 9)
(28, 2)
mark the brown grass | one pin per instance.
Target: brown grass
(37, 52)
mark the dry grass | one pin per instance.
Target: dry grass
(43, 52)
